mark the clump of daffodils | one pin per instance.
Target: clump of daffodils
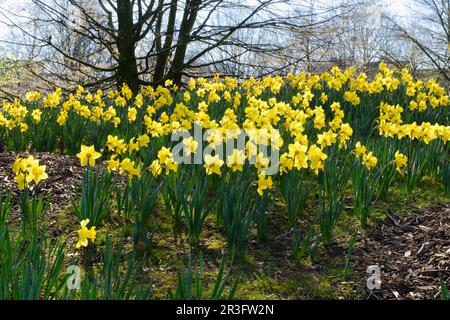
(27, 171)
(84, 234)
(165, 160)
(368, 158)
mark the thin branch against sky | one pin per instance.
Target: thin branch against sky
(397, 7)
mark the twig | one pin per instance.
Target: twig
(421, 248)
(398, 224)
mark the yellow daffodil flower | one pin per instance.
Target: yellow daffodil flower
(88, 155)
(84, 234)
(401, 161)
(316, 158)
(213, 164)
(264, 183)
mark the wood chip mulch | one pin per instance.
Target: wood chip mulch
(64, 177)
(413, 254)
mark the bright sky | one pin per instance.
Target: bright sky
(400, 7)
(397, 7)
(9, 5)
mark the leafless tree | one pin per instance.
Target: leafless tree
(109, 42)
(428, 33)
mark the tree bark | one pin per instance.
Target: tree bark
(127, 71)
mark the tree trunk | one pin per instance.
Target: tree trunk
(127, 71)
(190, 15)
(163, 53)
